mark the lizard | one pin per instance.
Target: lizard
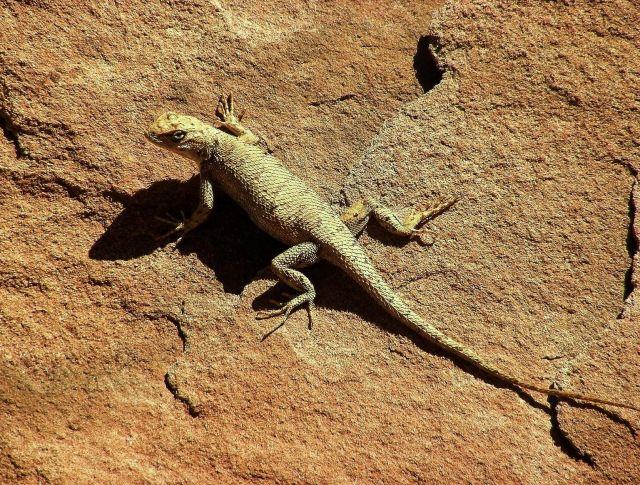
(229, 158)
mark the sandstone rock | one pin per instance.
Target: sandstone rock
(127, 362)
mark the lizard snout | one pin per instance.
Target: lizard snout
(149, 135)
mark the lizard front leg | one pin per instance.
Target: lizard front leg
(228, 121)
(205, 205)
(358, 215)
(286, 266)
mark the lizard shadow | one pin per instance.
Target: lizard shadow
(323, 275)
(236, 251)
(227, 242)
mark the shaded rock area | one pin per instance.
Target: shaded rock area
(126, 361)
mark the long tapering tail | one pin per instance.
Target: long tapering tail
(353, 260)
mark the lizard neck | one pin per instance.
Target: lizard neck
(209, 151)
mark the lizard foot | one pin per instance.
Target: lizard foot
(409, 225)
(286, 311)
(229, 122)
(416, 219)
(178, 224)
(226, 110)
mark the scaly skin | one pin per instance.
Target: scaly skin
(282, 205)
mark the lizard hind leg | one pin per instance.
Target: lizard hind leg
(410, 225)
(357, 216)
(286, 266)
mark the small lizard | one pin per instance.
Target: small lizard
(229, 159)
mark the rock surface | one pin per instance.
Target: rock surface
(127, 362)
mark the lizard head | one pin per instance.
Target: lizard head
(184, 135)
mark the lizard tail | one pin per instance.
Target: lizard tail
(354, 261)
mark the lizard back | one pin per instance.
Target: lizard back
(276, 200)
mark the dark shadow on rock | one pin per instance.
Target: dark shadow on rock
(375, 231)
(428, 73)
(337, 291)
(131, 234)
(561, 440)
(564, 442)
(228, 242)
(632, 247)
(237, 251)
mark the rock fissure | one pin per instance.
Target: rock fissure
(170, 380)
(633, 242)
(428, 71)
(193, 409)
(184, 339)
(564, 441)
(12, 133)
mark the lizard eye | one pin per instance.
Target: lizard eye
(178, 135)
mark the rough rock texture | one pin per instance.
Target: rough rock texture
(127, 362)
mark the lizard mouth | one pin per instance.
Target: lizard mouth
(151, 137)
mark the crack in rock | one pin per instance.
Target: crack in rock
(562, 439)
(560, 435)
(12, 133)
(633, 241)
(322, 102)
(425, 63)
(170, 381)
(193, 408)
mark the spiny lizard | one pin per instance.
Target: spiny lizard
(229, 158)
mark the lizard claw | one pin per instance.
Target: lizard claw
(226, 110)
(311, 310)
(280, 303)
(173, 221)
(438, 207)
(415, 221)
(286, 311)
(266, 314)
(170, 233)
(220, 108)
(178, 241)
